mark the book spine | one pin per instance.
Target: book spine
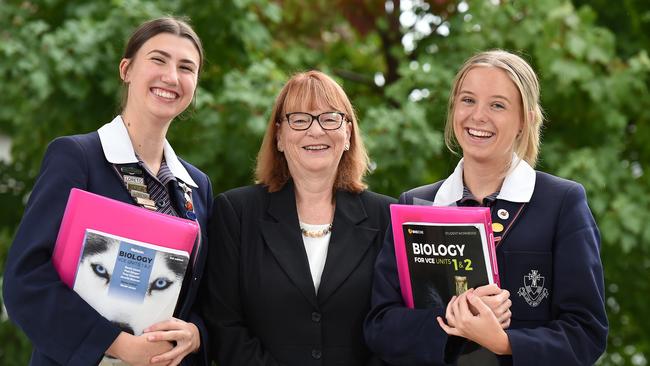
(400, 255)
(492, 249)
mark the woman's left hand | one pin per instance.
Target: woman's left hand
(183, 334)
(482, 327)
(498, 300)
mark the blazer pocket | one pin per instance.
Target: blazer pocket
(529, 278)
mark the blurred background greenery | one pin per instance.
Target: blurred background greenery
(395, 59)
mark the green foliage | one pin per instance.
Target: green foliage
(16, 347)
(59, 76)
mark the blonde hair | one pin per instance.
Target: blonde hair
(311, 90)
(527, 143)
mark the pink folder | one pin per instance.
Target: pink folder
(401, 214)
(87, 210)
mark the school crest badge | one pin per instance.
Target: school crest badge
(533, 290)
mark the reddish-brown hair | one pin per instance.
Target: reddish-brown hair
(311, 90)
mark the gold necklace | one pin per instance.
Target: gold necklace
(316, 233)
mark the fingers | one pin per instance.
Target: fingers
(506, 315)
(160, 363)
(169, 335)
(177, 353)
(498, 308)
(478, 304)
(181, 340)
(487, 290)
(464, 309)
(499, 303)
(502, 296)
(449, 330)
(453, 312)
(169, 324)
(184, 335)
(505, 324)
(176, 361)
(503, 307)
(449, 313)
(459, 300)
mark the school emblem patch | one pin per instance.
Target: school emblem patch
(533, 291)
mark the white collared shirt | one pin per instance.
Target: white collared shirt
(118, 149)
(518, 185)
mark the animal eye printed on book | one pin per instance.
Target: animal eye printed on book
(444, 260)
(131, 283)
(86, 210)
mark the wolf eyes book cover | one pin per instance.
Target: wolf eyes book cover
(131, 283)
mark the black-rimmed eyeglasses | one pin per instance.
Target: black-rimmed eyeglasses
(301, 121)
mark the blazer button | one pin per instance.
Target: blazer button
(316, 354)
(315, 317)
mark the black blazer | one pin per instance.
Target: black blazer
(554, 235)
(62, 327)
(258, 297)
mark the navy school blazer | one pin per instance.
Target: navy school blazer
(63, 328)
(554, 235)
(259, 301)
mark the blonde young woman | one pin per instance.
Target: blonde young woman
(550, 310)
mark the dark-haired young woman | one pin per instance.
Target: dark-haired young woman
(160, 71)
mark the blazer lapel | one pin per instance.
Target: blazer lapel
(348, 244)
(282, 236)
(505, 213)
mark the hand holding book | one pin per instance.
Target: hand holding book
(469, 317)
(128, 263)
(134, 350)
(156, 345)
(498, 300)
(183, 334)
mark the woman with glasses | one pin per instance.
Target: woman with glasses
(291, 258)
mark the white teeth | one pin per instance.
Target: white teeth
(316, 147)
(479, 133)
(164, 93)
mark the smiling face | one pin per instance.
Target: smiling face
(487, 116)
(161, 77)
(313, 151)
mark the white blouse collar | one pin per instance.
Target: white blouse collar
(118, 149)
(518, 185)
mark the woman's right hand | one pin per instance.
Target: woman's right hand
(498, 300)
(137, 350)
(469, 317)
